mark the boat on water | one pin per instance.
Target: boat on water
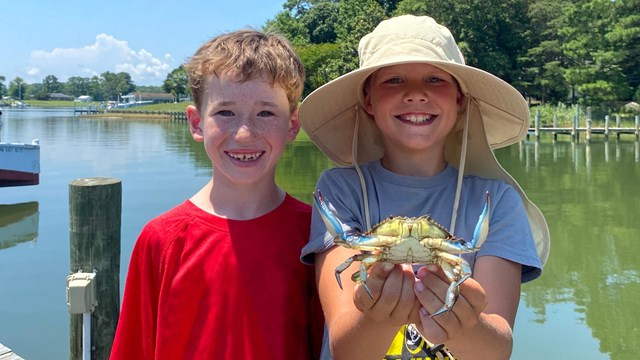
(19, 163)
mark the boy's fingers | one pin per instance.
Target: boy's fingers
(376, 278)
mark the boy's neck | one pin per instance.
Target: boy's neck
(419, 166)
(238, 201)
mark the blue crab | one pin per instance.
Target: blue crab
(407, 240)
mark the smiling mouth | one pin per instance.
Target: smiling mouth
(417, 119)
(247, 156)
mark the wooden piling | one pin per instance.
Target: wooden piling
(588, 132)
(574, 125)
(95, 207)
(537, 124)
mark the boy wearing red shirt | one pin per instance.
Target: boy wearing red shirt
(219, 276)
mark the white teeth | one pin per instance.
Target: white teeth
(416, 119)
(246, 157)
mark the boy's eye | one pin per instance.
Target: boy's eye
(265, 113)
(225, 113)
(393, 80)
(434, 79)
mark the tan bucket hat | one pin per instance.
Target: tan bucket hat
(496, 113)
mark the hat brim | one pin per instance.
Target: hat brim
(498, 117)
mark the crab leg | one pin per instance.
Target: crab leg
(330, 220)
(457, 272)
(482, 227)
(366, 261)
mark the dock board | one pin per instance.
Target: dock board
(8, 354)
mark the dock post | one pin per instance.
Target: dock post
(574, 125)
(588, 133)
(606, 127)
(555, 126)
(637, 127)
(95, 207)
(537, 124)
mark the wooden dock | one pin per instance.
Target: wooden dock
(588, 130)
(8, 354)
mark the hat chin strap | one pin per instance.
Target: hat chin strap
(463, 159)
(354, 161)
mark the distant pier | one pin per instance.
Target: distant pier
(588, 130)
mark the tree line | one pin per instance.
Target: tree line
(108, 86)
(554, 51)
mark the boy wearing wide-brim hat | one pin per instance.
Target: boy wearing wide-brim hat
(415, 128)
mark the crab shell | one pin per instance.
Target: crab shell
(407, 240)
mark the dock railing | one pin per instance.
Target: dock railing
(589, 130)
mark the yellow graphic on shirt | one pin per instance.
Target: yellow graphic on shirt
(410, 345)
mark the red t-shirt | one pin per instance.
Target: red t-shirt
(204, 287)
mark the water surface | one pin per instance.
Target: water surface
(581, 308)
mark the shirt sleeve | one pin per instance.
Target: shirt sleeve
(510, 234)
(337, 191)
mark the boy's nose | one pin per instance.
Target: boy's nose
(245, 128)
(416, 94)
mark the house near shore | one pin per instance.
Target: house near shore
(155, 98)
(140, 98)
(60, 96)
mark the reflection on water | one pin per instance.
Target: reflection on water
(18, 223)
(583, 306)
(590, 196)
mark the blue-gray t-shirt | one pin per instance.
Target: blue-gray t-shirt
(392, 194)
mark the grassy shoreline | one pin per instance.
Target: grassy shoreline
(564, 113)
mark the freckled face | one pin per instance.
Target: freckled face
(245, 128)
(414, 105)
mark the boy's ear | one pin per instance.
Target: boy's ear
(294, 125)
(367, 104)
(195, 123)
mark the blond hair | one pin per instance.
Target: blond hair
(246, 55)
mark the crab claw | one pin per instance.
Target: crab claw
(334, 226)
(482, 227)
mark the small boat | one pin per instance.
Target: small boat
(19, 164)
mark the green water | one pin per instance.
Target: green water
(581, 308)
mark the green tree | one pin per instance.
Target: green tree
(592, 65)
(315, 57)
(356, 18)
(3, 88)
(542, 66)
(77, 86)
(96, 90)
(115, 85)
(624, 36)
(16, 88)
(51, 84)
(177, 82)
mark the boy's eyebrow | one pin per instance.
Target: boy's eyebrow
(230, 102)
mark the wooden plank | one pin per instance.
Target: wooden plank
(8, 354)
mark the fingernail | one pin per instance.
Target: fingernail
(423, 312)
(419, 286)
(387, 266)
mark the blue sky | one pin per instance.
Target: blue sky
(147, 39)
